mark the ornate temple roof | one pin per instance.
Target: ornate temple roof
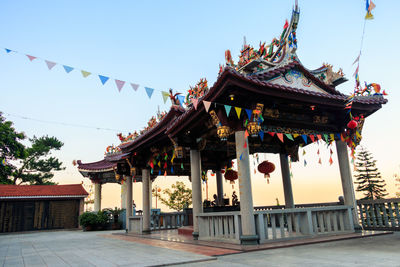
(98, 166)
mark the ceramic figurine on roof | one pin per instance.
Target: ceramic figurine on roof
(112, 150)
(200, 89)
(130, 137)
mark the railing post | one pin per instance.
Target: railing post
(306, 223)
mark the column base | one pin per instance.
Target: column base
(249, 239)
(357, 228)
(195, 235)
(146, 232)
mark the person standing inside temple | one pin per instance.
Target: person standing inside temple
(133, 208)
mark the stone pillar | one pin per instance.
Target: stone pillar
(195, 173)
(220, 188)
(347, 181)
(287, 183)
(123, 195)
(97, 197)
(249, 235)
(128, 199)
(146, 200)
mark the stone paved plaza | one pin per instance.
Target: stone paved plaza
(77, 248)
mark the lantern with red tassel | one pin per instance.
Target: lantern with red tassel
(231, 175)
(266, 168)
(352, 124)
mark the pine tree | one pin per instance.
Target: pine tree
(368, 177)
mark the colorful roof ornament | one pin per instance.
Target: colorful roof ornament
(112, 150)
(196, 92)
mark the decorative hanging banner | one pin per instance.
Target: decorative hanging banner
(181, 99)
(134, 86)
(207, 105)
(31, 58)
(280, 136)
(149, 91)
(103, 79)
(249, 112)
(50, 64)
(312, 138)
(85, 73)
(227, 109)
(119, 84)
(68, 69)
(238, 111)
(7, 50)
(289, 136)
(261, 134)
(304, 138)
(165, 96)
(195, 102)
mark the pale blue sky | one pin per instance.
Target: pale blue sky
(163, 44)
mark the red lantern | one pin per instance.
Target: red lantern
(231, 175)
(352, 124)
(266, 168)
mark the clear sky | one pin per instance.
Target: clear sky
(172, 44)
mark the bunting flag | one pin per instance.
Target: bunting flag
(319, 137)
(261, 134)
(319, 161)
(289, 136)
(369, 6)
(246, 134)
(149, 91)
(181, 99)
(245, 144)
(85, 73)
(338, 136)
(103, 79)
(68, 69)
(207, 105)
(165, 173)
(7, 50)
(332, 136)
(134, 86)
(195, 101)
(249, 113)
(304, 152)
(165, 96)
(159, 172)
(227, 109)
(326, 138)
(304, 138)
(312, 138)
(172, 170)
(305, 163)
(280, 136)
(238, 111)
(31, 58)
(330, 161)
(241, 156)
(119, 84)
(295, 135)
(271, 133)
(50, 64)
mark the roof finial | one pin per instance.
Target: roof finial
(244, 42)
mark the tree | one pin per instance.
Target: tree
(178, 198)
(368, 177)
(29, 165)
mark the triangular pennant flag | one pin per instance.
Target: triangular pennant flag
(159, 164)
(304, 138)
(195, 101)
(135, 86)
(319, 136)
(295, 135)
(241, 156)
(305, 163)
(271, 133)
(103, 79)
(172, 169)
(159, 172)
(238, 111)
(337, 136)
(227, 109)
(261, 134)
(246, 134)
(249, 112)
(7, 50)
(182, 166)
(280, 136)
(326, 138)
(245, 144)
(330, 151)
(304, 152)
(312, 138)
(85, 73)
(207, 105)
(149, 91)
(289, 136)
(50, 64)
(319, 161)
(181, 99)
(151, 171)
(318, 152)
(165, 173)
(68, 69)
(119, 84)
(165, 96)
(31, 58)
(332, 136)
(342, 137)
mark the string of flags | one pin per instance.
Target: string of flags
(103, 79)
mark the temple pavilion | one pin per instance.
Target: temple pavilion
(267, 102)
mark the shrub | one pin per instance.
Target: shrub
(88, 219)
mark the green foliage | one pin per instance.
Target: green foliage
(29, 165)
(88, 219)
(368, 177)
(102, 218)
(114, 212)
(178, 198)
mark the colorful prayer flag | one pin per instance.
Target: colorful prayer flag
(165, 96)
(207, 105)
(135, 86)
(31, 58)
(50, 64)
(238, 111)
(227, 109)
(149, 91)
(103, 79)
(119, 84)
(249, 112)
(195, 101)
(68, 69)
(85, 73)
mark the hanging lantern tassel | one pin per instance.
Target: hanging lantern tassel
(232, 183)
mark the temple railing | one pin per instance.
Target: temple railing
(379, 214)
(277, 224)
(167, 220)
(281, 207)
